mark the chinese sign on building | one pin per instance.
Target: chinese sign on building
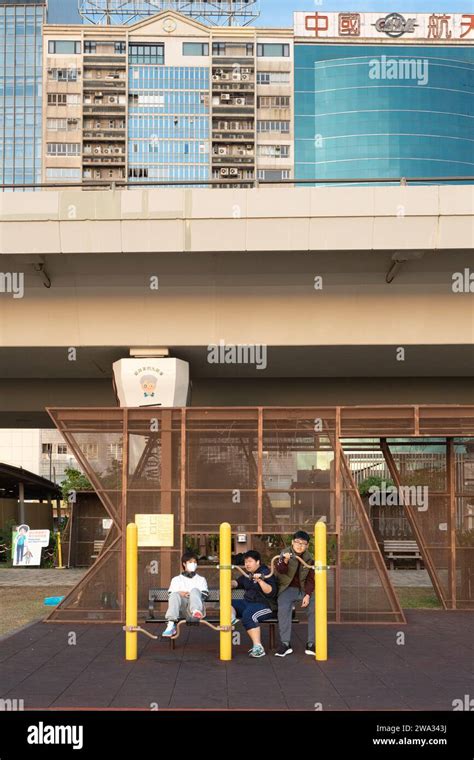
(452, 27)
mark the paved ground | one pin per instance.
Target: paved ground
(410, 578)
(34, 577)
(30, 576)
(367, 669)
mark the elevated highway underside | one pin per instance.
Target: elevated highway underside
(301, 272)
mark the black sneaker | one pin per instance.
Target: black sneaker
(309, 649)
(283, 650)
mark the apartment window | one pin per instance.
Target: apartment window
(232, 48)
(64, 47)
(273, 151)
(63, 149)
(195, 48)
(115, 450)
(46, 449)
(90, 450)
(273, 126)
(120, 48)
(273, 77)
(59, 125)
(138, 173)
(273, 174)
(57, 98)
(63, 75)
(62, 448)
(63, 173)
(273, 101)
(146, 54)
(90, 46)
(62, 99)
(146, 100)
(273, 50)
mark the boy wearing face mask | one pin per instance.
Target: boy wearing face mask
(186, 594)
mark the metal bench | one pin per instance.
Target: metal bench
(402, 550)
(156, 595)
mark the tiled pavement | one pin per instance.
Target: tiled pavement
(366, 668)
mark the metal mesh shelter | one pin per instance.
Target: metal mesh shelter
(272, 471)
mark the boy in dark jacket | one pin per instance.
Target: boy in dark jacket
(295, 582)
(258, 602)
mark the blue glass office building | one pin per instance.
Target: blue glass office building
(20, 91)
(349, 125)
(168, 118)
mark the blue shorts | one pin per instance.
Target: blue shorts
(251, 613)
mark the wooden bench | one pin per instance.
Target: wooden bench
(399, 550)
(157, 595)
(98, 546)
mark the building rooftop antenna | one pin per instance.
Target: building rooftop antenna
(212, 12)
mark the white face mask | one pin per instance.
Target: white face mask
(191, 567)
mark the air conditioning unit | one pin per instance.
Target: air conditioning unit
(99, 94)
(117, 150)
(219, 72)
(234, 172)
(98, 125)
(221, 151)
(240, 152)
(97, 150)
(239, 101)
(249, 147)
(236, 76)
(225, 96)
(245, 77)
(225, 76)
(224, 172)
(106, 150)
(215, 77)
(72, 121)
(112, 99)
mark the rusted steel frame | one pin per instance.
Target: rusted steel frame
(371, 541)
(451, 483)
(411, 516)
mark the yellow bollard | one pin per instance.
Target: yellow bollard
(131, 592)
(321, 591)
(225, 590)
(60, 552)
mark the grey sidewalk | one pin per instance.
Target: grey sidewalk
(35, 577)
(30, 576)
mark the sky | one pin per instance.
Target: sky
(280, 12)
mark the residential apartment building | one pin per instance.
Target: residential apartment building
(167, 98)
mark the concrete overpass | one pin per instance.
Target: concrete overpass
(301, 270)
